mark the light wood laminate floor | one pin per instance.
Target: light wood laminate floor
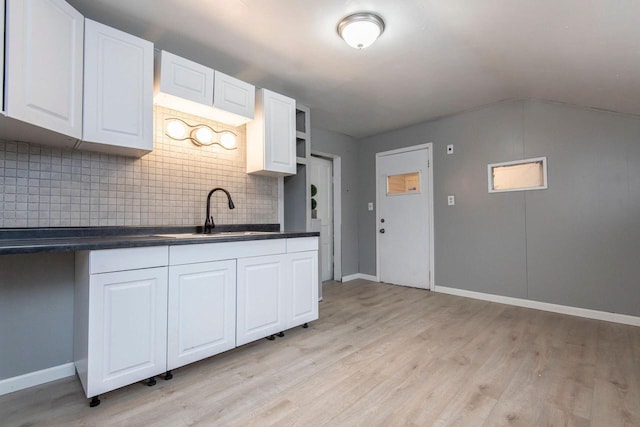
(383, 355)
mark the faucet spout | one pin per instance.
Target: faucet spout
(208, 222)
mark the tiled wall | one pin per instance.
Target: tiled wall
(42, 186)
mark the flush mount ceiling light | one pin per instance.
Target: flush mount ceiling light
(361, 29)
(199, 134)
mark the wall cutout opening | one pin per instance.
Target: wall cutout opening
(403, 184)
(519, 175)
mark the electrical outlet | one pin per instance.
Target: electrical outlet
(451, 200)
(370, 206)
(450, 149)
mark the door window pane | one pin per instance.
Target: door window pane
(529, 174)
(403, 183)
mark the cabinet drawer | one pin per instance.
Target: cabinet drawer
(205, 252)
(302, 244)
(106, 260)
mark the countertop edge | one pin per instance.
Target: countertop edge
(72, 244)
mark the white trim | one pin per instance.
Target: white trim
(351, 277)
(429, 147)
(32, 379)
(545, 306)
(337, 211)
(432, 250)
(544, 185)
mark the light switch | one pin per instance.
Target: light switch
(370, 206)
(450, 149)
(451, 200)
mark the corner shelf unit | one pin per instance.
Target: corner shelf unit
(297, 189)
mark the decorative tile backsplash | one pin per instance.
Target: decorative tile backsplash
(41, 186)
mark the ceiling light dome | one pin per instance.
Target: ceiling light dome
(361, 29)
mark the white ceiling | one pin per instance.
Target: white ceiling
(436, 57)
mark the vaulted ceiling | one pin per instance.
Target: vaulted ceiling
(436, 57)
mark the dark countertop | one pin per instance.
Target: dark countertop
(33, 240)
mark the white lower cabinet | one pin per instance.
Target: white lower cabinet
(302, 299)
(120, 317)
(128, 333)
(262, 287)
(140, 312)
(202, 311)
(277, 292)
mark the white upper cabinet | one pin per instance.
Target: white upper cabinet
(271, 136)
(193, 88)
(183, 85)
(44, 63)
(235, 97)
(118, 91)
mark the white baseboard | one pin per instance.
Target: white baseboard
(32, 379)
(545, 306)
(359, 276)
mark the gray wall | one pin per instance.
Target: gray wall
(575, 244)
(346, 147)
(36, 312)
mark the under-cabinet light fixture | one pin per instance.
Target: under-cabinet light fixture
(361, 29)
(199, 134)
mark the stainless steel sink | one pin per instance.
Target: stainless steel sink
(217, 235)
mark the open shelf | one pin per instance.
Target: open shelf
(297, 189)
(301, 119)
(301, 147)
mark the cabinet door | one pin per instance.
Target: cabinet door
(118, 89)
(127, 328)
(234, 96)
(184, 80)
(302, 299)
(202, 311)
(280, 133)
(260, 288)
(44, 64)
(271, 136)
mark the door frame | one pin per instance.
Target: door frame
(429, 147)
(337, 211)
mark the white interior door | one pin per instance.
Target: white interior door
(403, 220)
(322, 178)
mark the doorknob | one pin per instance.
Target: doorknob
(382, 230)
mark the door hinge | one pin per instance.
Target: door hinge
(428, 163)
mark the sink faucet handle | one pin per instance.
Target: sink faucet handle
(209, 225)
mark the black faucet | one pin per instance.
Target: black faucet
(208, 223)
